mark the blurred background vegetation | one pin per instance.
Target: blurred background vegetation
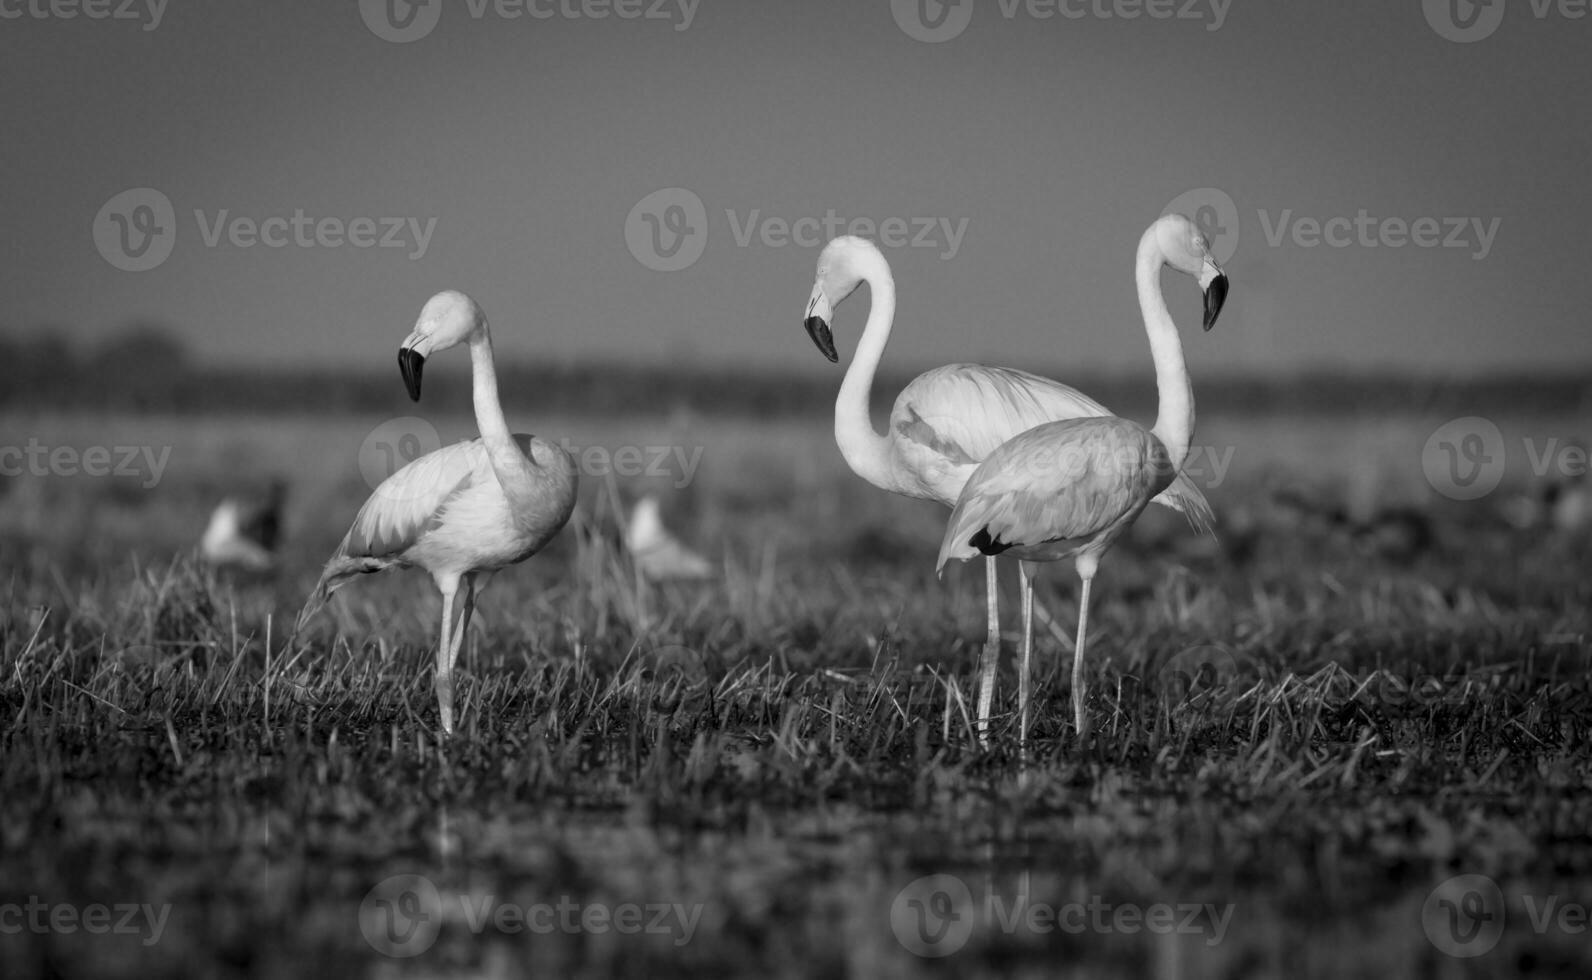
(146, 367)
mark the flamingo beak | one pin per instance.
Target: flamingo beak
(410, 364)
(819, 331)
(1215, 295)
(817, 323)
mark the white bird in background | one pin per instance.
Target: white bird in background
(946, 421)
(1068, 489)
(243, 531)
(463, 511)
(1560, 502)
(659, 555)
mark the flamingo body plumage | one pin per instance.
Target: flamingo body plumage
(463, 511)
(446, 512)
(1069, 489)
(947, 421)
(1035, 502)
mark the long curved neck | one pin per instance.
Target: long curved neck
(866, 451)
(511, 466)
(1174, 422)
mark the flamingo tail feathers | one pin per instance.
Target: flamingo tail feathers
(1185, 498)
(338, 573)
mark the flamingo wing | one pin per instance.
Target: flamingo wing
(1060, 484)
(952, 418)
(969, 410)
(414, 499)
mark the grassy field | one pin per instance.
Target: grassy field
(1299, 741)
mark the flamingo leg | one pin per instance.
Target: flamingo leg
(463, 625)
(989, 663)
(444, 682)
(474, 585)
(1025, 679)
(1077, 654)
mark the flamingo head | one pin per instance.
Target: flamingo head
(842, 266)
(1186, 249)
(448, 319)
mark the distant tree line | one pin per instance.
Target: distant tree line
(146, 368)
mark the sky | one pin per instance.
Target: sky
(1392, 186)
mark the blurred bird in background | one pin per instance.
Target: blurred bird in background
(1556, 502)
(245, 530)
(658, 554)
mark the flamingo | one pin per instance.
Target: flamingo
(1068, 489)
(464, 511)
(946, 421)
(659, 555)
(243, 531)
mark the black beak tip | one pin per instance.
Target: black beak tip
(819, 331)
(1215, 296)
(410, 365)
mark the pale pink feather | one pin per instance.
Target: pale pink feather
(949, 420)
